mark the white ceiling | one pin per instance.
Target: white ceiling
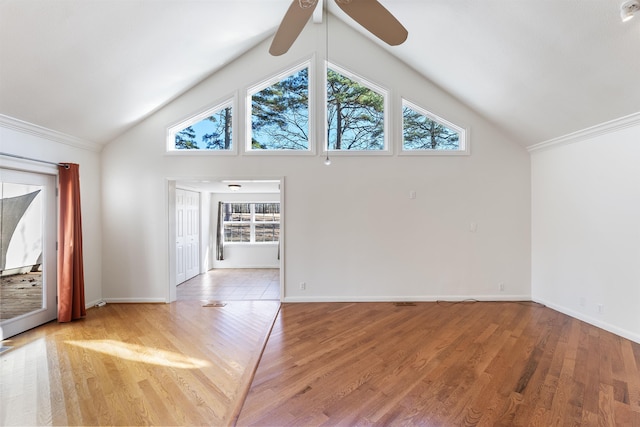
(540, 69)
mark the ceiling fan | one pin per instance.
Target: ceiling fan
(369, 13)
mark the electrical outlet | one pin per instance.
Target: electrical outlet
(501, 287)
(303, 286)
(601, 308)
(582, 301)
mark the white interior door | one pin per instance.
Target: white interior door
(28, 247)
(187, 235)
(192, 237)
(180, 237)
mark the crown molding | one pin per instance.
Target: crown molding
(52, 135)
(604, 128)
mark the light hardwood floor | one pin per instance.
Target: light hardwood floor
(331, 364)
(136, 364)
(232, 284)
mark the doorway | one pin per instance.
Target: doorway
(28, 252)
(218, 277)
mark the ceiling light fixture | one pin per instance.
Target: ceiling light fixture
(628, 9)
(235, 187)
(327, 161)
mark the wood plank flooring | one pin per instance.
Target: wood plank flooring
(465, 364)
(136, 364)
(232, 284)
(20, 294)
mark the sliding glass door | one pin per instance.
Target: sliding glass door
(27, 250)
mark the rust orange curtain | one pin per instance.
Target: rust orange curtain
(71, 303)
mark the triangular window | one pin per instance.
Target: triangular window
(423, 131)
(210, 130)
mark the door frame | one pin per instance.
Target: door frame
(171, 185)
(48, 180)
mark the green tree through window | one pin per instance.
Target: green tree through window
(186, 139)
(251, 222)
(280, 114)
(212, 133)
(355, 115)
(278, 119)
(220, 135)
(421, 132)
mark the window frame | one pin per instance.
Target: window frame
(311, 125)
(385, 93)
(463, 132)
(252, 223)
(229, 101)
(318, 141)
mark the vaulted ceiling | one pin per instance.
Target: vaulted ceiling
(539, 69)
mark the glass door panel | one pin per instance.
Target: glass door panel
(27, 250)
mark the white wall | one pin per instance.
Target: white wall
(352, 233)
(585, 232)
(23, 139)
(242, 255)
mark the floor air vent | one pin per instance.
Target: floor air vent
(214, 304)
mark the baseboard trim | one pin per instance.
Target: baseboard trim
(134, 300)
(418, 298)
(248, 267)
(591, 320)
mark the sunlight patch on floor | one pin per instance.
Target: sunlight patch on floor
(142, 354)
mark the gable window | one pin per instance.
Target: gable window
(211, 130)
(355, 113)
(279, 111)
(424, 132)
(251, 222)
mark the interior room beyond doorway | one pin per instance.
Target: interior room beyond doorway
(239, 231)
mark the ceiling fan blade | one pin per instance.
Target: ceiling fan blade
(292, 24)
(376, 18)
